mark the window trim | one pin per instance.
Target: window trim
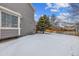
(7, 26)
(2, 9)
(10, 20)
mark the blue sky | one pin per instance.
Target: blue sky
(58, 9)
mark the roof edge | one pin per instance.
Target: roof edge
(30, 4)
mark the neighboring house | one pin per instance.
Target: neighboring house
(16, 19)
(77, 27)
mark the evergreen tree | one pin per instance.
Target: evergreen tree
(43, 23)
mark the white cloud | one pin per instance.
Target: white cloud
(64, 14)
(62, 4)
(56, 6)
(61, 18)
(64, 17)
(41, 15)
(49, 5)
(35, 15)
(54, 10)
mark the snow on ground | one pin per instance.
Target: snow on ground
(51, 44)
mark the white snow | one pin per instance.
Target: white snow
(51, 44)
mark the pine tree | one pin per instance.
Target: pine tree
(43, 23)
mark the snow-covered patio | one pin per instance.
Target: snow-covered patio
(51, 44)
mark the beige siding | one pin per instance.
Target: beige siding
(27, 21)
(8, 33)
(0, 33)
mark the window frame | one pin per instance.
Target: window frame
(11, 12)
(6, 25)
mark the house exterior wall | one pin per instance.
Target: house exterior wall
(5, 33)
(0, 33)
(27, 20)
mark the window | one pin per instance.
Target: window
(9, 20)
(14, 21)
(3, 20)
